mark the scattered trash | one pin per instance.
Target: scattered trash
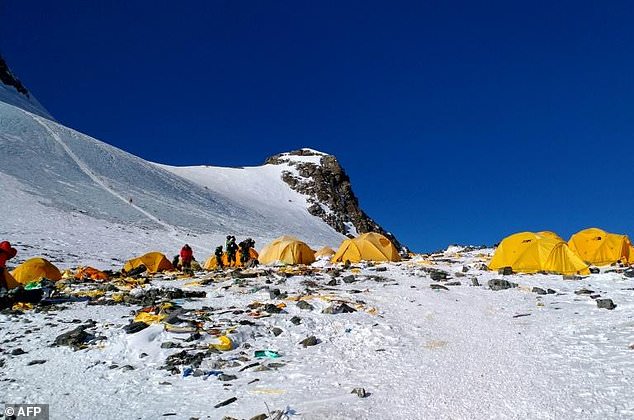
(224, 343)
(226, 402)
(267, 353)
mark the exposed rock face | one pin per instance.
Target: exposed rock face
(9, 79)
(329, 192)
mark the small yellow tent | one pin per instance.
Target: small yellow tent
(287, 250)
(212, 264)
(367, 247)
(9, 280)
(596, 246)
(528, 252)
(153, 261)
(35, 269)
(325, 252)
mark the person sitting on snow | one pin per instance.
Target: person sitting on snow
(6, 253)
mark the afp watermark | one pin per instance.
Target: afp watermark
(26, 411)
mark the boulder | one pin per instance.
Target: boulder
(605, 304)
(75, 338)
(338, 308)
(302, 304)
(500, 284)
(309, 341)
(360, 392)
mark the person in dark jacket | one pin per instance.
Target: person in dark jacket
(218, 255)
(6, 253)
(244, 251)
(187, 255)
(232, 248)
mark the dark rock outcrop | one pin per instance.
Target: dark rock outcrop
(329, 192)
(9, 79)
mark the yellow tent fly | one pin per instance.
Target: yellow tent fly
(528, 252)
(153, 261)
(598, 247)
(287, 250)
(367, 247)
(35, 269)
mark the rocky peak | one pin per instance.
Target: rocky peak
(9, 79)
(329, 193)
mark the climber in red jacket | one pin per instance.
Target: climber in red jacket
(6, 253)
(187, 255)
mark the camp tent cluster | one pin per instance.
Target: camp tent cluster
(285, 250)
(529, 252)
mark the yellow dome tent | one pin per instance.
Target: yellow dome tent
(325, 252)
(596, 246)
(287, 250)
(367, 247)
(153, 261)
(212, 264)
(528, 252)
(35, 269)
(9, 280)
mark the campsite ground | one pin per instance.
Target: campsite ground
(465, 352)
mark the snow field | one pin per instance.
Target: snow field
(468, 352)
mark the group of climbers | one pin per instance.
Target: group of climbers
(233, 249)
(231, 255)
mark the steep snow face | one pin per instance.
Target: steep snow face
(50, 172)
(9, 95)
(13, 92)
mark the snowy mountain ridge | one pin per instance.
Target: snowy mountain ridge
(65, 194)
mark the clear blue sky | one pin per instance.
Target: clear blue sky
(458, 122)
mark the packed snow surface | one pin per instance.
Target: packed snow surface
(466, 352)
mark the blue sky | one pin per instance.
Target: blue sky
(458, 122)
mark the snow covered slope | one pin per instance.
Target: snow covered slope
(76, 199)
(49, 171)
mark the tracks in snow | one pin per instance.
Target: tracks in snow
(172, 232)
